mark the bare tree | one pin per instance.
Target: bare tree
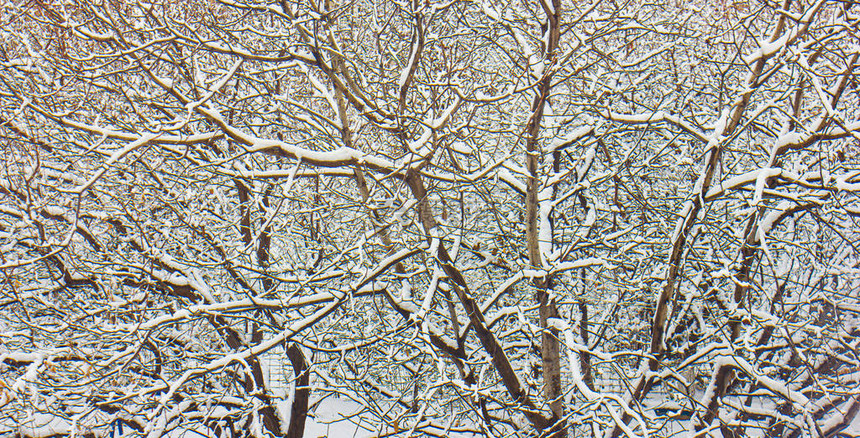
(508, 219)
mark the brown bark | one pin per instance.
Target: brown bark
(748, 252)
(491, 345)
(658, 327)
(299, 409)
(550, 357)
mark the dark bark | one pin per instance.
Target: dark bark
(299, 409)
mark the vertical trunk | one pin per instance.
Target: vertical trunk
(255, 382)
(550, 356)
(264, 244)
(585, 358)
(299, 410)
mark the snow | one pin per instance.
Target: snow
(116, 156)
(816, 84)
(659, 117)
(38, 425)
(588, 241)
(431, 125)
(338, 417)
(767, 222)
(612, 236)
(29, 376)
(430, 293)
(342, 156)
(767, 49)
(650, 54)
(787, 138)
(838, 418)
(21, 357)
(585, 166)
(583, 389)
(564, 266)
(548, 6)
(404, 73)
(545, 238)
(799, 400)
(760, 181)
(506, 176)
(720, 125)
(500, 290)
(570, 138)
(853, 428)
(682, 219)
(325, 93)
(652, 117)
(418, 146)
(490, 10)
(461, 147)
(843, 184)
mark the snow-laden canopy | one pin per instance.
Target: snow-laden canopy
(445, 218)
